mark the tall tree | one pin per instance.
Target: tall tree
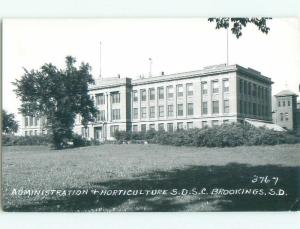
(59, 95)
(9, 124)
(239, 23)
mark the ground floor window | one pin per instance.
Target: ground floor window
(179, 125)
(113, 130)
(170, 127)
(161, 126)
(135, 128)
(152, 127)
(204, 124)
(189, 125)
(215, 123)
(85, 132)
(143, 128)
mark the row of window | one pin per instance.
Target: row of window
(115, 115)
(253, 108)
(179, 91)
(283, 103)
(31, 121)
(31, 132)
(248, 88)
(284, 116)
(100, 98)
(170, 126)
(170, 110)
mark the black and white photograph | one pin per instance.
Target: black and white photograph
(151, 114)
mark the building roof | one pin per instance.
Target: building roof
(286, 93)
(258, 124)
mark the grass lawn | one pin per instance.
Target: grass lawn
(183, 172)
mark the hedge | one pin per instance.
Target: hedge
(228, 135)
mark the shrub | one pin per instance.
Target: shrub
(79, 141)
(9, 140)
(228, 135)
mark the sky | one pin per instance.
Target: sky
(174, 45)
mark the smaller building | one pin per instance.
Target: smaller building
(285, 112)
(33, 126)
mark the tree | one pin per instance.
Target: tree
(9, 124)
(240, 23)
(58, 95)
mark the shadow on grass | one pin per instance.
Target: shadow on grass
(232, 176)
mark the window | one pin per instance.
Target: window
(31, 121)
(170, 127)
(249, 108)
(143, 95)
(100, 116)
(100, 99)
(204, 88)
(190, 109)
(259, 91)
(135, 128)
(204, 124)
(189, 89)
(170, 92)
(115, 114)
(161, 93)
(36, 121)
(143, 112)
(226, 106)
(286, 116)
(249, 88)
(245, 108)
(289, 103)
(204, 108)
(241, 87)
(215, 107)
(226, 85)
(283, 103)
(179, 90)
(30, 133)
(241, 107)
(113, 130)
(26, 121)
(180, 109)
(179, 125)
(135, 113)
(85, 132)
(170, 111)
(189, 125)
(115, 97)
(254, 92)
(35, 132)
(225, 121)
(151, 93)
(135, 96)
(215, 86)
(161, 112)
(278, 103)
(245, 88)
(161, 126)
(143, 128)
(254, 109)
(152, 127)
(281, 116)
(215, 123)
(26, 133)
(152, 112)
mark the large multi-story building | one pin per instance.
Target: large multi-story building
(208, 97)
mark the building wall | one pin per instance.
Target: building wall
(223, 86)
(285, 113)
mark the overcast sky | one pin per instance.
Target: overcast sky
(175, 45)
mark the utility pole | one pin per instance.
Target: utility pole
(227, 49)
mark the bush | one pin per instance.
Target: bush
(79, 141)
(227, 135)
(9, 140)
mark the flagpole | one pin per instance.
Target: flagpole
(100, 61)
(227, 50)
(150, 63)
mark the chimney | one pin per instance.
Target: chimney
(162, 73)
